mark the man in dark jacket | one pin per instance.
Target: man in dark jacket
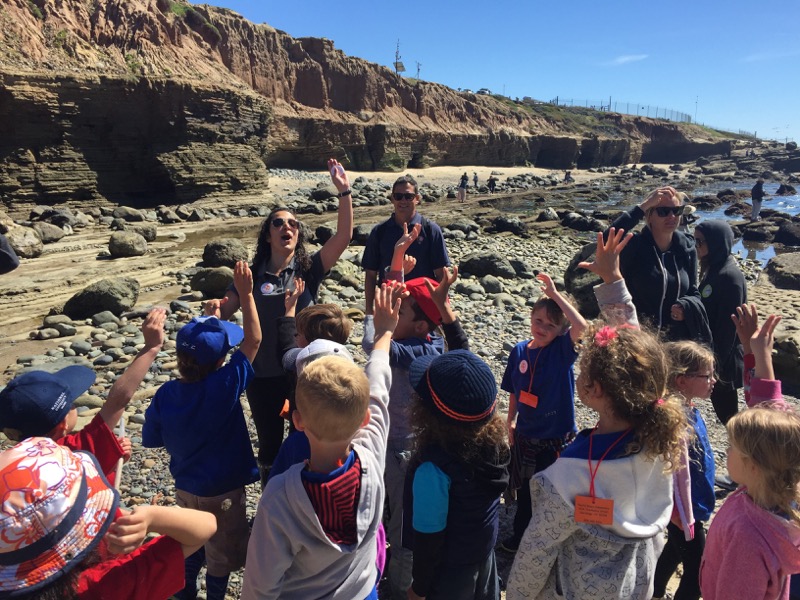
(722, 289)
(756, 197)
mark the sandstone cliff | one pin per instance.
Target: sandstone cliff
(148, 101)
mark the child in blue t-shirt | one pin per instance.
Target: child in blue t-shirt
(200, 422)
(540, 381)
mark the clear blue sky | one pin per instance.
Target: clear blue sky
(735, 64)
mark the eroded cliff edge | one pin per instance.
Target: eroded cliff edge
(149, 101)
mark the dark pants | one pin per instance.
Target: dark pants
(677, 551)
(266, 396)
(725, 400)
(522, 517)
(467, 582)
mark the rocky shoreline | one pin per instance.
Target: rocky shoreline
(496, 251)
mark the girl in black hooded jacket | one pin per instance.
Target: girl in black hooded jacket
(722, 289)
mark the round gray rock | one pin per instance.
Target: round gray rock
(127, 243)
(224, 253)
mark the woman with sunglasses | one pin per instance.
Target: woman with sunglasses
(281, 256)
(660, 267)
(722, 289)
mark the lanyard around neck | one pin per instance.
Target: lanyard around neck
(592, 473)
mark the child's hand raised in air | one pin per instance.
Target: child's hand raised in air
(291, 297)
(439, 294)
(408, 237)
(746, 321)
(549, 288)
(409, 262)
(242, 279)
(387, 312)
(153, 328)
(762, 343)
(606, 260)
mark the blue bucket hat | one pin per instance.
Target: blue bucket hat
(457, 384)
(36, 401)
(208, 339)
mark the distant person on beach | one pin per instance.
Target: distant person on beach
(281, 255)
(8, 258)
(462, 187)
(660, 268)
(568, 177)
(491, 182)
(475, 179)
(429, 248)
(757, 196)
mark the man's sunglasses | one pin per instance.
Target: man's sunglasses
(278, 222)
(665, 211)
(403, 196)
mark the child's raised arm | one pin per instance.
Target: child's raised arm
(401, 246)
(387, 311)
(746, 321)
(291, 297)
(190, 528)
(439, 294)
(126, 384)
(761, 344)
(573, 316)
(612, 295)
(243, 282)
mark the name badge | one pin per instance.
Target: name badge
(529, 399)
(594, 511)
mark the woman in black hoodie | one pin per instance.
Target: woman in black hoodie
(722, 289)
(659, 265)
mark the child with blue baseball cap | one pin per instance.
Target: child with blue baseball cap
(40, 404)
(199, 420)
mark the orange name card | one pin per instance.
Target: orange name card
(594, 511)
(529, 399)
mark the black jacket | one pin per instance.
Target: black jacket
(658, 279)
(8, 258)
(722, 289)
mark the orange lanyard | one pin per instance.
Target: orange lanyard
(533, 368)
(592, 474)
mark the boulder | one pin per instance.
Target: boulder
(224, 252)
(491, 284)
(25, 241)
(580, 222)
(127, 243)
(783, 271)
(323, 233)
(788, 234)
(486, 263)
(548, 214)
(361, 233)
(213, 282)
(149, 231)
(791, 146)
(786, 190)
(128, 214)
(512, 224)
(116, 295)
(48, 232)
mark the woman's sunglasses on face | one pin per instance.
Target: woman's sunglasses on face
(403, 196)
(665, 211)
(278, 222)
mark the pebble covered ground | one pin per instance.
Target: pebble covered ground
(494, 313)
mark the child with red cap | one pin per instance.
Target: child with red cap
(200, 421)
(424, 307)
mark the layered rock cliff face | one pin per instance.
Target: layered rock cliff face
(148, 101)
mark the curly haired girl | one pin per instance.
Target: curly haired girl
(599, 512)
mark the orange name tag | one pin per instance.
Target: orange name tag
(594, 511)
(529, 399)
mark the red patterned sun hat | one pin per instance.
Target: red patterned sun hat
(55, 506)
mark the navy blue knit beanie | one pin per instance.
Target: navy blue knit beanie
(457, 384)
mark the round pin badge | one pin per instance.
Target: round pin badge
(523, 366)
(267, 288)
(706, 291)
